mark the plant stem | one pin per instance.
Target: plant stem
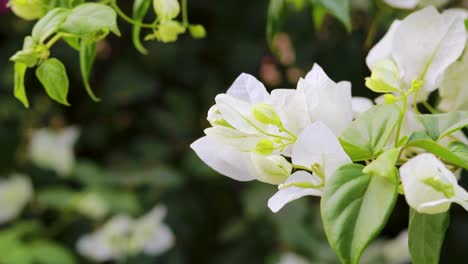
(127, 18)
(400, 119)
(52, 41)
(184, 13)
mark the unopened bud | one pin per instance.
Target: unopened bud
(266, 114)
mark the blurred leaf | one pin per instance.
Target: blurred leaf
(87, 56)
(339, 9)
(276, 12)
(318, 14)
(47, 252)
(57, 198)
(53, 76)
(120, 201)
(140, 8)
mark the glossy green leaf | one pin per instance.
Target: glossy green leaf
(91, 21)
(440, 125)
(355, 207)
(20, 90)
(53, 77)
(49, 24)
(365, 138)
(140, 8)
(339, 9)
(421, 140)
(460, 149)
(426, 235)
(87, 56)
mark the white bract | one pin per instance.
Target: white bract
(416, 51)
(91, 205)
(453, 91)
(15, 192)
(166, 9)
(254, 132)
(410, 4)
(123, 236)
(429, 186)
(360, 105)
(53, 149)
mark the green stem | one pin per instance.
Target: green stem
(373, 29)
(429, 107)
(184, 13)
(122, 15)
(52, 41)
(400, 119)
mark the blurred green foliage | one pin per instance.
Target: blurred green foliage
(134, 144)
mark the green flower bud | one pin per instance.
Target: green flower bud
(385, 77)
(390, 98)
(271, 169)
(28, 9)
(264, 147)
(166, 9)
(197, 31)
(169, 31)
(266, 114)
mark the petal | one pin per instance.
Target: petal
(234, 138)
(404, 4)
(428, 41)
(162, 241)
(454, 87)
(249, 89)
(288, 194)
(237, 113)
(383, 49)
(360, 105)
(290, 105)
(223, 159)
(327, 101)
(318, 144)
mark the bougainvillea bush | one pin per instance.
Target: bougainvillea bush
(103, 104)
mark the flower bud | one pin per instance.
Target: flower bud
(266, 114)
(169, 31)
(28, 9)
(273, 169)
(390, 98)
(384, 78)
(166, 9)
(264, 147)
(197, 31)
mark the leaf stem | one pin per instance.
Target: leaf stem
(184, 14)
(401, 118)
(122, 15)
(53, 40)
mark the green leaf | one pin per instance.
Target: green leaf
(53, 77)
(426, 235)
(440, 125)
(275, 16)
(57, 198)
(47, 252)
(339, 9)
(140, 8)
(91, 21)
(421, 140)
(384, 164)
(73, 42)
(87, 56)
(460, 149)
(318, 14)
(368, 134)
(29, 57)
(49, 24)
(20, 90)
(355, 207)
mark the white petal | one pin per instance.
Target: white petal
(234, 138)
(428, 40)
(383, 49)
(454, 87)
(237, 113)
(249, 89)
(15, 192)
(360, 105)
(404, 4)
(291, 106)
(223, 159)
(318, 144)
(288, 194)
(162, 241)
(327, 101)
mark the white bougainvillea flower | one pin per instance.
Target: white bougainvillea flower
(51, 149)
(15, 192)
(410, 4)
(360, 105)
(453, 91)
(422, 46)
(151, 234)
(123, 236)
(92, 205)
(317, 149)
(429, 186)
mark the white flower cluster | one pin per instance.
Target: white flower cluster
(289, 137)
(123, 236)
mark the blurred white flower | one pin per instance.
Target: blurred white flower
(292, 258)
(421, 46)
(429, 186)
(15, 192)
(388, 251)
(123, 236)
(51, 149)
(410, 4)
(91, 205)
